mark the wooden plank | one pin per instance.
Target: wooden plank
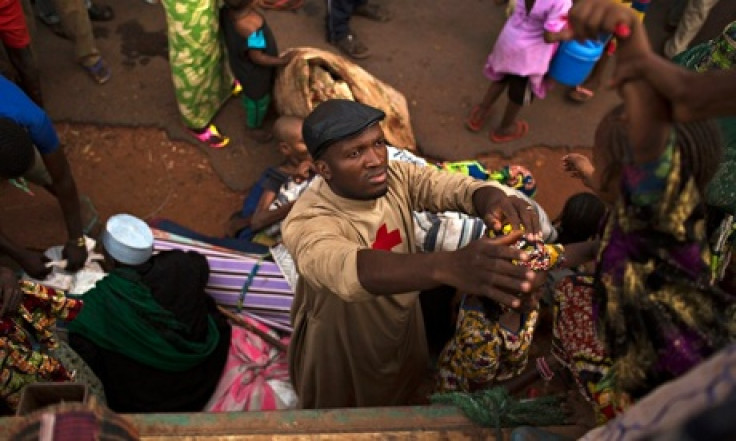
(413, 423)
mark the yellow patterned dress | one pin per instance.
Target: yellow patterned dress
(22, 362)
(482, 350)
(202, 83)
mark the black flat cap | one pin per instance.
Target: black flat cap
(334, 120)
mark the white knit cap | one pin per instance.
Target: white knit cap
(128, 239)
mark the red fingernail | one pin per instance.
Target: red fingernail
(622, 30)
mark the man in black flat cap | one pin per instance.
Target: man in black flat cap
(358, 332)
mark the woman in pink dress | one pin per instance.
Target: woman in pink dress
(519, 62)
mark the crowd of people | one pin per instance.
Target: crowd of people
(636, 273)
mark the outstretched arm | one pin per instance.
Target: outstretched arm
(647, 111)
(692, 96)
(483, 268)
(65, 190)
(580, 167)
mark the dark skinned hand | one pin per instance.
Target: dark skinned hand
(10, 291)
(590, 18)
(75, 255)
(484, 268)
(34, 264)
(497, 209)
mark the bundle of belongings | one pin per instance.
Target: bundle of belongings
(258, 298)
(147, 336)
(31, 347)
(314, 76)
(28, 344)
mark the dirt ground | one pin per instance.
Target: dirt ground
(137, 171)
(143, 172)
(129, 152)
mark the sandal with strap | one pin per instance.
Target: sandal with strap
(477, 119)
(580, 94)
(211, 136)
(521, 128)
(98, 71)
(373, 11)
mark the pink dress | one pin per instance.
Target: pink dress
(520, 48)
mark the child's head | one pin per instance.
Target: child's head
(288, 133)
(699, 145)
(239, 5)
(580, 219)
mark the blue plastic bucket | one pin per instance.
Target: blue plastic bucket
(574, 61)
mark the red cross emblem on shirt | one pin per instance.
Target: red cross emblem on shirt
(385, 240)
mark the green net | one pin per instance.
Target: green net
(496, 408)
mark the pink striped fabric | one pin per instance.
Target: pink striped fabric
(255, 376)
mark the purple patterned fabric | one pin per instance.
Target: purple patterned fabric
(268, 297)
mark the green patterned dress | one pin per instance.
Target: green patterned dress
(717, 54)
(198, 65)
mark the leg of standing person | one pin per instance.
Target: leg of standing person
(520, 94)
(16, 40)
(337, 20)
(693, 17)
(30, 19)
(480, 113)
(256, 110)
(338, 28)
(76, 23)
(202, 83)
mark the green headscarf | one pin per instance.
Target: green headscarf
(121, 315)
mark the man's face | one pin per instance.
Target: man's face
(355, 168)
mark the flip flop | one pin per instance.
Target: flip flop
(581, 94)
(476, 120)
(281, 5)
(521, 126)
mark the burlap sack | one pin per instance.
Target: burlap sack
(314, 76)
